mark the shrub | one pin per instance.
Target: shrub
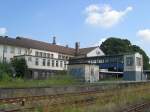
(20, 67)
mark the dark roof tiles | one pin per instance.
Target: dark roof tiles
(34, 44)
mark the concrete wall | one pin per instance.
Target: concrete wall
(96, 52)
(38, 91)
(87, 72)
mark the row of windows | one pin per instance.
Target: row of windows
(53, 63)
(60, 56)
(12, 50)
(42, 54)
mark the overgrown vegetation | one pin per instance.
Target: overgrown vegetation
(53, 81)
(114, 46)
(20, 67)
(5, 72)
(12, 75)
(109, 101)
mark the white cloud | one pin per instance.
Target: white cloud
(103, 15)
(3, 31)
(144, 34)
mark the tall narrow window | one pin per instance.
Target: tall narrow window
(36, 61)
(29, 58)
(40, 54)
(56, 63)
(48, 55)
(48, 62)
(44, 54)
(36, 53)
(52, 55)
(61, 63)
(52, 63)
(44, 61)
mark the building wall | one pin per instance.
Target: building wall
(133, 67)
(91, 73)
(87, 72)
(18, 51)
(96, 52)
(10, 52)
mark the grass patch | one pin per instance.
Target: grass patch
(9, 82)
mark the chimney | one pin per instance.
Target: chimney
(67, 46)
(54, 40)
(77, 46)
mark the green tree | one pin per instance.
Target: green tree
(114, 46)
(5, 71)
(20, 67)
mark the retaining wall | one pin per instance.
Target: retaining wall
(38, 91)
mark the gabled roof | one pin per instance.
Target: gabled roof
(84, 51)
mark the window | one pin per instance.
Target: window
(48, 62)
(12, 50)
(52, 55)
(19, 50)
(59, 56)
(52, 63)
(44, 54)
(65, 65)
(138, 61)
(36, 61)
(36, 53)
(48, 55)
(40, 54)
(56, 63)
(129, 61)
(29, 58)
(61, 63)
(5, 49)
(44, 61)
(63, 57)
(67, 57)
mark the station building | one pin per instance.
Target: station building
(43, 59)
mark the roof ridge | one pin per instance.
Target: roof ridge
(45, 42)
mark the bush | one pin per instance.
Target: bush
(5, 77)
(5, 71)
(5, 68)
(20, 67)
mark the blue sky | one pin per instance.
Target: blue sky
(86, 21)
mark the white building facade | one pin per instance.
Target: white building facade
(43, 59)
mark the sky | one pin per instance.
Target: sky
(89, 22)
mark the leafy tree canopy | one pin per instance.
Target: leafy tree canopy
(113, 46)
(20, 67)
